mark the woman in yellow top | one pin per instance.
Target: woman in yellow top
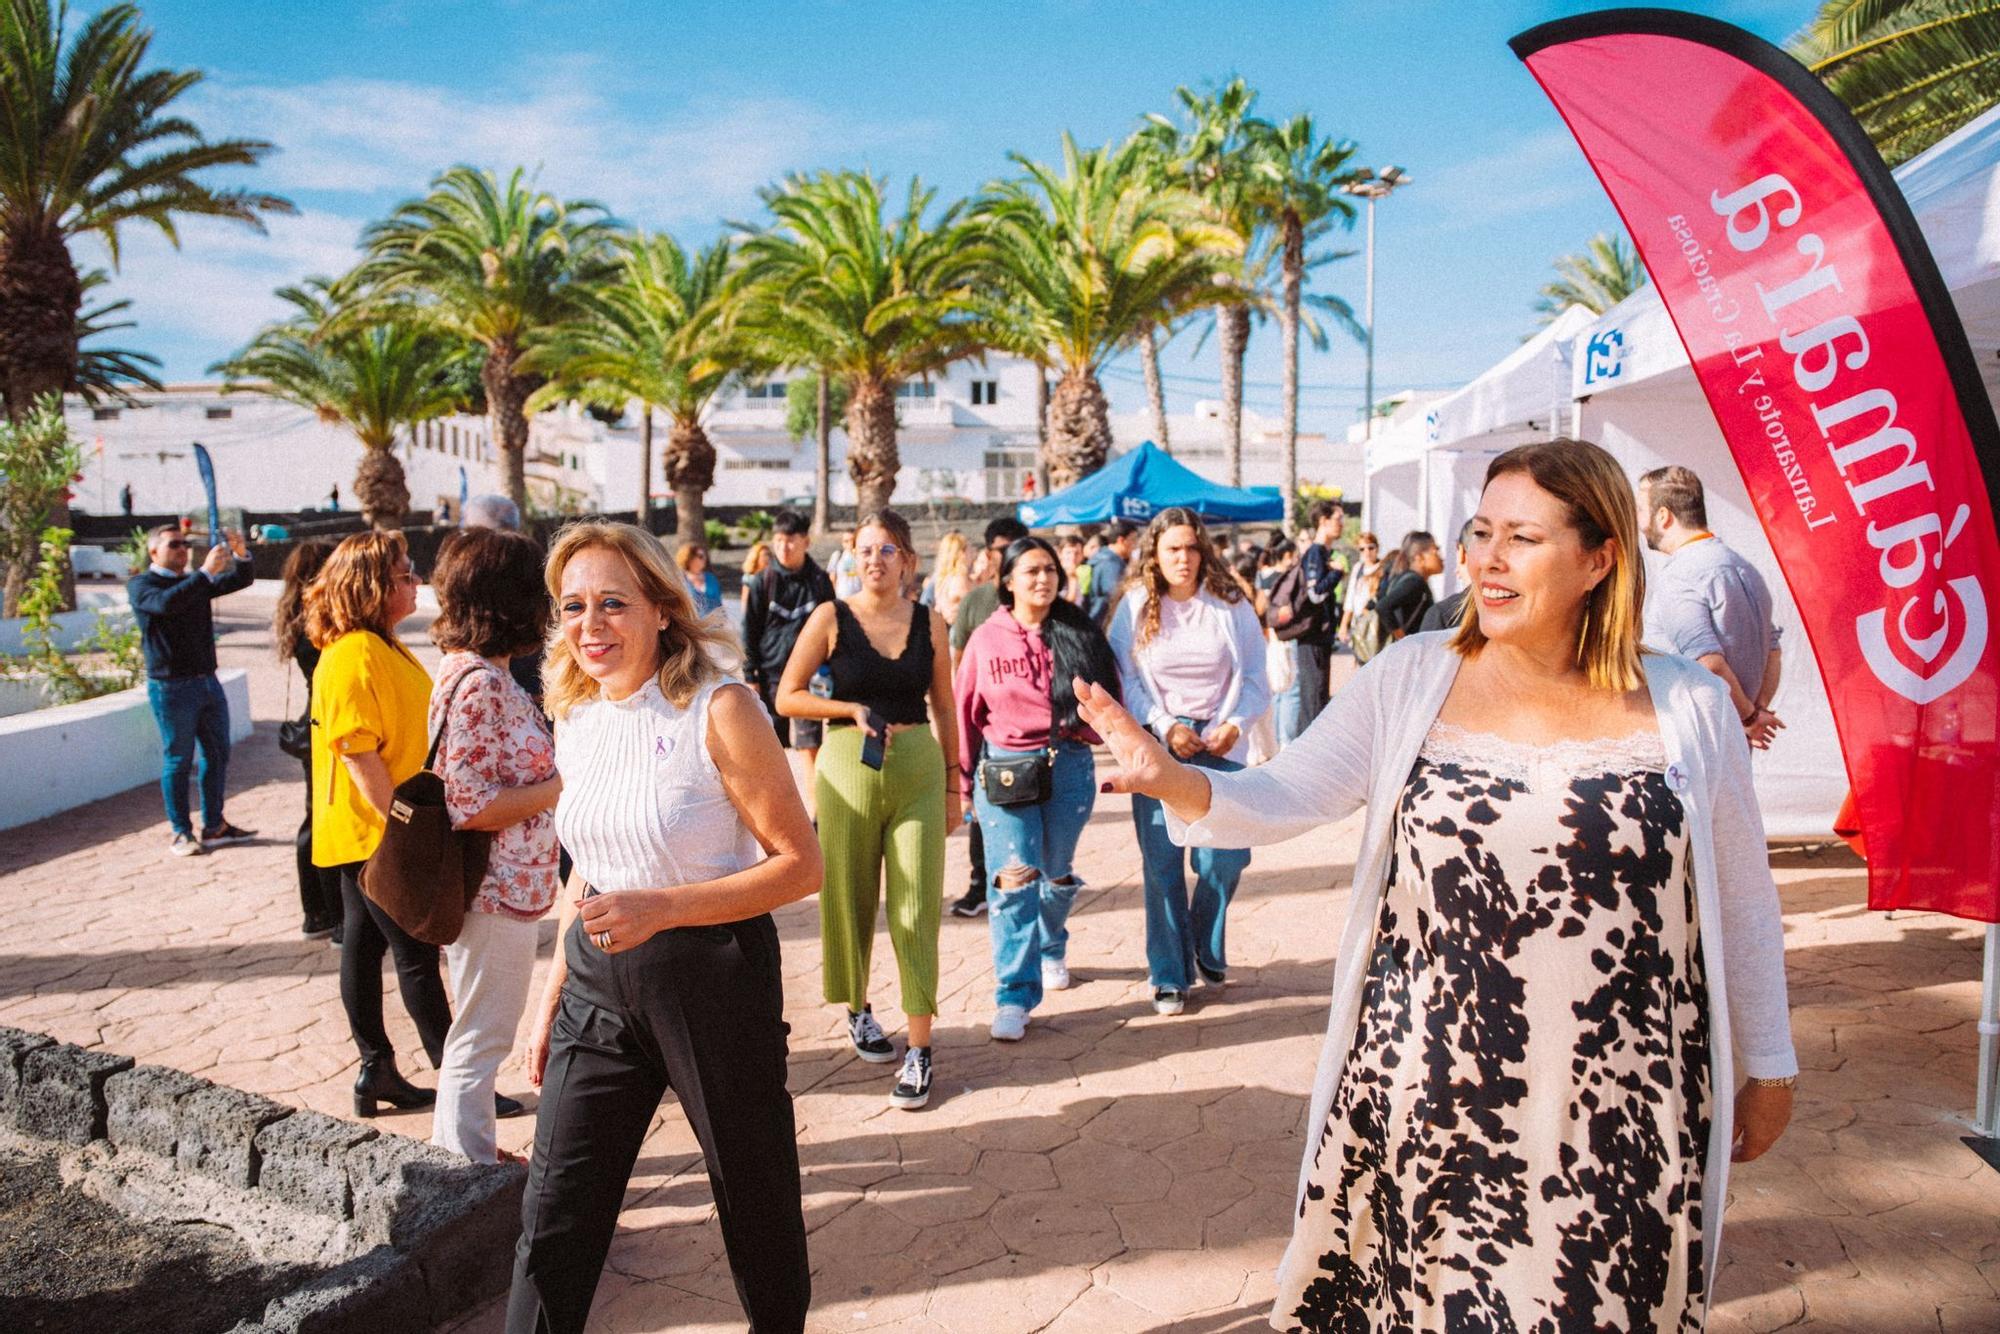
(370, 699)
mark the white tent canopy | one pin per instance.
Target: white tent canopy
(1637, 396)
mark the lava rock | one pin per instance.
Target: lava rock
(142, 1108)
(218, 1134)
(15, 1044)
(62, 1092)
(305, 1161)
(379, 1292)
(459, 1219)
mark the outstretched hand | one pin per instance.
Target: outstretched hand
(1144, 765)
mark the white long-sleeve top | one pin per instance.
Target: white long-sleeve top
(1360, 750)
(1233, 688)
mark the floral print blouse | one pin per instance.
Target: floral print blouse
(496, 740)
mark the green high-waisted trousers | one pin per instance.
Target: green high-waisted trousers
(870, 822)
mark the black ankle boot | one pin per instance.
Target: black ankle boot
(379, 1081)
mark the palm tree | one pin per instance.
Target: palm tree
(499, 265)
(89, 142)
(834, 286)
(1214, 156)
(376, 379)
(1087, 257)
(1295, 180)
(1596, 278)
(652, 333)
(1912, 71)
(105, 373)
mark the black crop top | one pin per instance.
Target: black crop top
(897, 688)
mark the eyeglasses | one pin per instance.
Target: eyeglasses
(178, 544)
(887, 551)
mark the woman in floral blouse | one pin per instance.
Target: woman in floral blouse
(498, 765)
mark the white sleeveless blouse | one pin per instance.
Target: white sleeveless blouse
(643, 806)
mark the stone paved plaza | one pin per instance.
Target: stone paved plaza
(1116, 1171)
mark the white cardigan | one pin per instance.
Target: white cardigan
(1360, 751)
(1248, 696)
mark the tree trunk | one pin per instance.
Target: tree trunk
(381, 488)
(1079, 428)
(644, 515)
(506, 396)
(1042, 430)
(1234, 322)
(1156, 394)
(872, 460)
(690, 472)
(40, 295)
(1294, 268)
(822, 454)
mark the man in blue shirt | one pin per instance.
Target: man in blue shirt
(1322, 566)
(177, 629)
(1709, 603)
(1107, 568)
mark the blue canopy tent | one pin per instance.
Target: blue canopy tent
(1145, 481)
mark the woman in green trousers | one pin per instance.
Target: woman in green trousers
(887, 788)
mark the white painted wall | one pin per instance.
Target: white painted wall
(53, 760)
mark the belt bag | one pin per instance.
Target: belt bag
(1019, 780)
(425, 874)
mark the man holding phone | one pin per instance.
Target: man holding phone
(177, 629)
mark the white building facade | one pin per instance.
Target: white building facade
(968, 433)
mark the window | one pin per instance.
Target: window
(766, 392)
(1007, 469)
(985, 393)
(916, 389)
(219, 414)
(104, 414)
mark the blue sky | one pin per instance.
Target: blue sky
(674, 114)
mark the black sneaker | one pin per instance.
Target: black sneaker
(1215, 977)
(913, 1083)
(314, 929)
(869, 1043)
(505, 1107)
(225, 834)
(972, 903)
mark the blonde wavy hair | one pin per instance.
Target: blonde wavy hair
(354, 590)
(692, 652)
(950, 557)
(1602, 508)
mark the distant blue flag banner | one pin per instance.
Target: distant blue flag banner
(207, 467)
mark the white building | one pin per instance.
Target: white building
(968, 432)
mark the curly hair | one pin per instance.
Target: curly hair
(356, 588)
(1212, 574)
(490, 596)
(693, 652)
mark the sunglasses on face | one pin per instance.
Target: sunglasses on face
(176, 545)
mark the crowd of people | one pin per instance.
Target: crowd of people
(1528, 1002)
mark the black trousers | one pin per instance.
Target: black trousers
(366, 934)
(319, 886)
(699, 1010)
(1315, 662)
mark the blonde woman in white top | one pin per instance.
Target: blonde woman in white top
(667, 974)
(1564, 941)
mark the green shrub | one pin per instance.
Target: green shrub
(63, 677)
(715, 534)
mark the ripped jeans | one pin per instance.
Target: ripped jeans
(1030, 885)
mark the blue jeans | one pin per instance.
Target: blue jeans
(1285, 706)
(1180, 934)
(192, 712)
(1036, 845)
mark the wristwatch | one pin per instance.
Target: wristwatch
(1788, 1081)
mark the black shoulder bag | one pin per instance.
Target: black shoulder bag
(1024, 780)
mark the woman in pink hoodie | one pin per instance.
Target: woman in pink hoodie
(1017, 703)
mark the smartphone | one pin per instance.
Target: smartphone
(876, 742)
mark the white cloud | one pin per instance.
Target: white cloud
(1542, 171)
(575, 128)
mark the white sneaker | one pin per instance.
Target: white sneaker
(1167, 1001)
(185, 846)
(1010, 1023)
(1055, 975)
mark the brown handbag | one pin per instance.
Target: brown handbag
(424, 873)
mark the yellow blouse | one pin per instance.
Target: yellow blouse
(366, 696)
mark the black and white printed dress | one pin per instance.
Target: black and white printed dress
(1517, 1139)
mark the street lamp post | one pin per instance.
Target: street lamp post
(1372, 186)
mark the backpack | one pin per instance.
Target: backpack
(1307, 617)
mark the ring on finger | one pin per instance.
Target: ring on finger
(604, 940)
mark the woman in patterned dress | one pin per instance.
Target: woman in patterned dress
(1564, 942)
